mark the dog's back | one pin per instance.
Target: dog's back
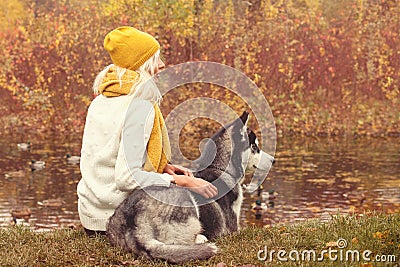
(156, 228)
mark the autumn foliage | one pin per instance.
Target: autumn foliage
(326, 67)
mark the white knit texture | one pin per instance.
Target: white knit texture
(107, 178)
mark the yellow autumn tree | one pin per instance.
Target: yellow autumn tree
(10, 12)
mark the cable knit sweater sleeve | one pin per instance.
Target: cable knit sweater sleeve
(135, 135)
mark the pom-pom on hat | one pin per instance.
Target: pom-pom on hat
(129, 48)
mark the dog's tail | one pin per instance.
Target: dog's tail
(180, 253)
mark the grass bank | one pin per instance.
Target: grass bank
(377, 233)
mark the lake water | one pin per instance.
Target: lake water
(311, 179)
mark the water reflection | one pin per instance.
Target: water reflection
(318, 178)
(311, 178)
(22, 188)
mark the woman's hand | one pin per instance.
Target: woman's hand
(197, 185)
(184, 177)
(174, 169)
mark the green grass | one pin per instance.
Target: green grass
(378, 233)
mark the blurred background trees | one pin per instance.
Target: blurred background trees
(326, 67)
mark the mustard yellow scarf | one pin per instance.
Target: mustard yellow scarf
(158, 147)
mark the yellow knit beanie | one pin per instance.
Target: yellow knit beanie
(129, 48)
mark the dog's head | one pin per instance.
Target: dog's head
(255, 157)
(234, 148)
(258, 159)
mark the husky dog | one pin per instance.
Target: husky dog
(174, 223)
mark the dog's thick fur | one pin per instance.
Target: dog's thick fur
(174, 223)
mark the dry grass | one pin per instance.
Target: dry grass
(378, 233)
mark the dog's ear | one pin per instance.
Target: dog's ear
(244, 117)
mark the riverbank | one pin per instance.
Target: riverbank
(374, 237)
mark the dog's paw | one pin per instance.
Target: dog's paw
(200, 239)
(213, 247)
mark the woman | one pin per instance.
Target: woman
(125, 144)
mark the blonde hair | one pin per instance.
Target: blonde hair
(144, 87)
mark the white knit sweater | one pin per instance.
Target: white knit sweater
(112, 157)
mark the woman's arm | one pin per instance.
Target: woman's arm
(135, 135)
(129, 172)
(197, 185)
(175, 169)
